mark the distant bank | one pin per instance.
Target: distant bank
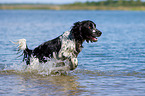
(66, 7)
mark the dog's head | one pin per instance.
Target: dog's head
(85, 30)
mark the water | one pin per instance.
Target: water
(113, 66)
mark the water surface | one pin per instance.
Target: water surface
(113, 66)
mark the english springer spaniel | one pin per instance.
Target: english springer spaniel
(66, 46)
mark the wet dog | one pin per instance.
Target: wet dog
(65, 47)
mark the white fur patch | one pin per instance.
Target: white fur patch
(68, 49)
(21, 44)
(68, 46)
(94, 31)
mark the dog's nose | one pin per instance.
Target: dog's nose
(99, 33)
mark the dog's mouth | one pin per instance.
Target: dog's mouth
(92, 39)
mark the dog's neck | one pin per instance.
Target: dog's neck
(79, 39)
(68, 35)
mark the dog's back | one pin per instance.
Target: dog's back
(47, 49)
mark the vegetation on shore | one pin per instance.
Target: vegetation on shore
(101, 5)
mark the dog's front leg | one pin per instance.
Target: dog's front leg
(73, 63)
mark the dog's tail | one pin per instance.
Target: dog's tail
(22, 46)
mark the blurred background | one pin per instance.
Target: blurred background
(74, 4)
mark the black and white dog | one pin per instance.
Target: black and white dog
(67, 46)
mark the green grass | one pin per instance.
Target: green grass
(67, 7)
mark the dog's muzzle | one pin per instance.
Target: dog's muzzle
(96, 33)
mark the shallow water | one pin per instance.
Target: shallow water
(113, 66)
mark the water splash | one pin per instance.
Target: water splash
(52, 67)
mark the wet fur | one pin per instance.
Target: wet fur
(66, 46)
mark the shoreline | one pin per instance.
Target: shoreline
(66, 7)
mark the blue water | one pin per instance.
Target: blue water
(113, 66)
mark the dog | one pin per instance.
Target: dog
(65, 47)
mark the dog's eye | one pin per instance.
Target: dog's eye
(91, 26)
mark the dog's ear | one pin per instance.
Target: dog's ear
(77, 30)
(77, 24)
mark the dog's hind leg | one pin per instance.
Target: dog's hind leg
(27, 56)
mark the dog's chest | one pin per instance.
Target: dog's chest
(68, 47)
